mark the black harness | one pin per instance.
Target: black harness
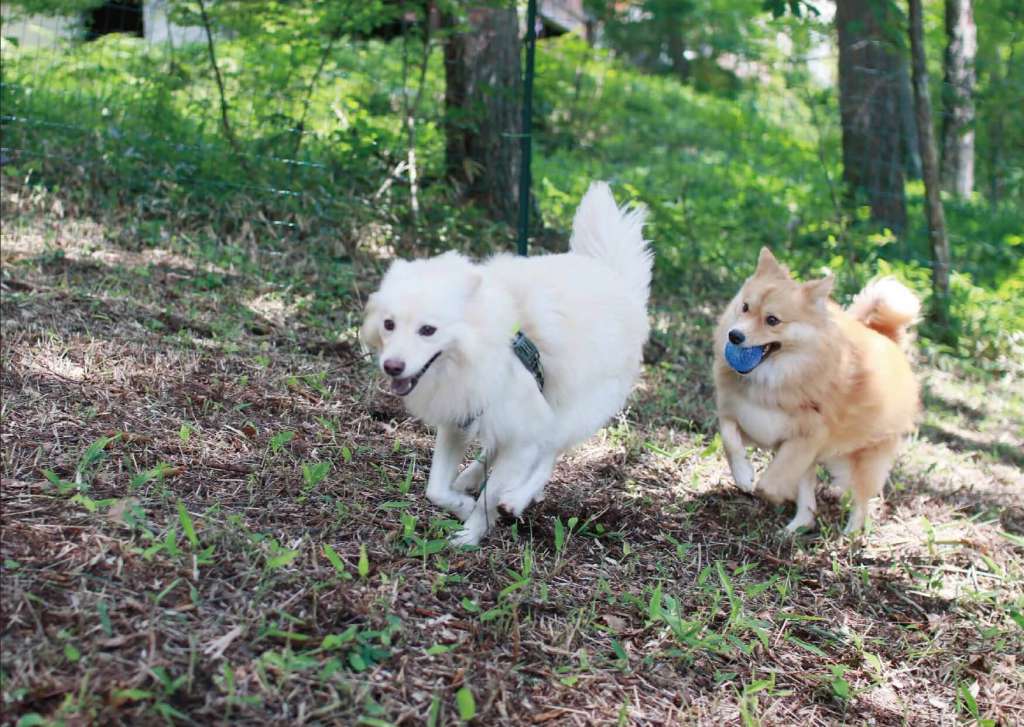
(526, 351)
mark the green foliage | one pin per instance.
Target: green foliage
(295, 24)
(279, 440)
(563, 533)
(466, 704)
(51, 7)
(155, 473)
(778, 8)
(694, 42)
(335, 560)
(186, 525)
(363, 566)
(360, 648)
(726, 164)
(723, 177)
(313, 474)
(311, 147)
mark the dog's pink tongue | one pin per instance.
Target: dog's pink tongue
(401, 386)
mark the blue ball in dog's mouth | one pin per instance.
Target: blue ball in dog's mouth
(745, 359)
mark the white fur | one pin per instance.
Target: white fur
(586, 311)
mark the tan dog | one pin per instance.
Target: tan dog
(796, 373)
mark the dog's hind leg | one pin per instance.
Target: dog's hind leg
(869, 468)
(806, 505)
(515, 498)
(470, 479)
(448, 452)
(780, 481)
(511, 466)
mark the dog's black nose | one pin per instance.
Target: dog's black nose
(394, 367)
(736, 337)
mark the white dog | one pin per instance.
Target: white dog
(444, 330)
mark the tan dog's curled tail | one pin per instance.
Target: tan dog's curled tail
(614, 235)
(889, 307)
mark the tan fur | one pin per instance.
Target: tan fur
(839, 391)
(888, 307)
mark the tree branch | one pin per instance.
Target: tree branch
(301, 127)
(930, 167)
(229, 134)
(409, 111)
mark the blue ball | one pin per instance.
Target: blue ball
(743, 359)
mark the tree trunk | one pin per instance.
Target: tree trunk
(869, 107)
(999, 87)
(677, 52)
(996, 161)
(911, 146)
(958, 98)
(930, 165)
(482, 78)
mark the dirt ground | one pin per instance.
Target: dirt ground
(211, 513)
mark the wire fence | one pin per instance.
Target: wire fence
(144, 107)
(118, 102)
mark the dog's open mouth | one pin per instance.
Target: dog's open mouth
(402, 387)
(745, 359)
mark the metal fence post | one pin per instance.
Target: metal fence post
(526, 135)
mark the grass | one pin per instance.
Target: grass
(122, 124)
(211, 512)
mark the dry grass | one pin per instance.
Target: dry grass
(192, 567)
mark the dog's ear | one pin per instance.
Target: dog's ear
(818, 290)
(369, 334)
(768, 265)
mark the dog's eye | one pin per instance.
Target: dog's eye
(745, 307)
(772, 321)
(427, 330)
(389, 325)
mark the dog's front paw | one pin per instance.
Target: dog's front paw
(463, 507)
(467, 536)
(454, 502)
(857, 521)
(802, 519)
(770, 493)
(743, 474)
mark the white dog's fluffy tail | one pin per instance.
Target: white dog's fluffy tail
(887, 306)
(614, 235)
